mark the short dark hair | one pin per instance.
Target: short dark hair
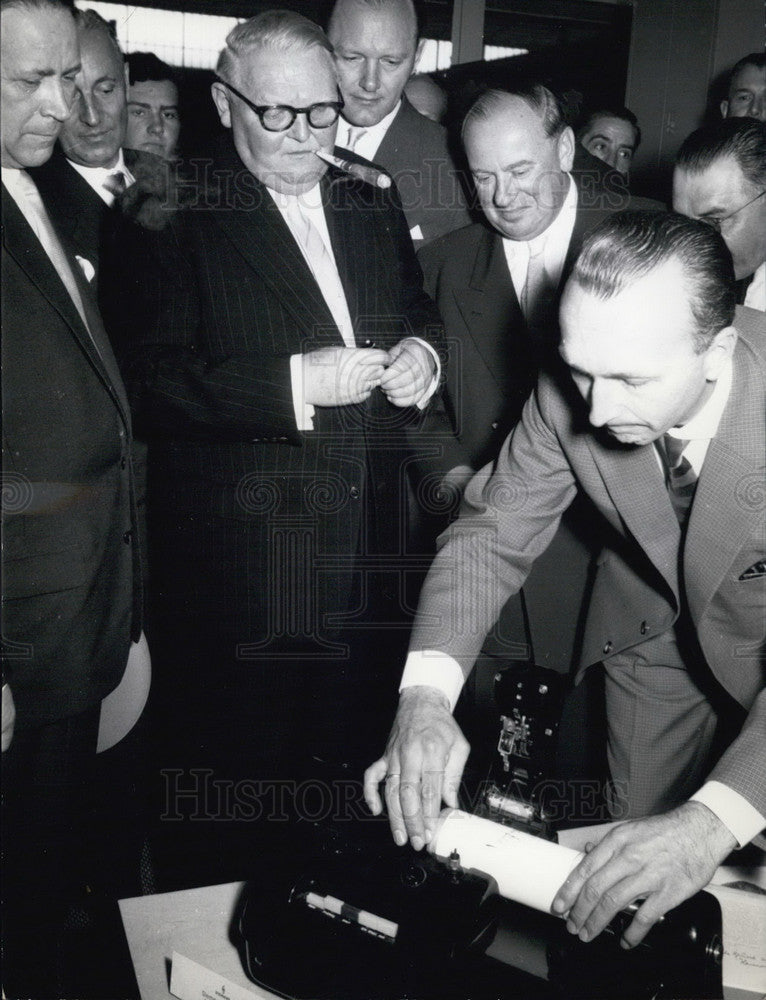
(624, 114)
(143, 66)
(743, 139)
(628, 245)
(757, 59)
(538, 97)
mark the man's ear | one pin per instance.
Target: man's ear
(719, 352)
(418, 51)
(724, 108)
(566, 148)
(221, 101)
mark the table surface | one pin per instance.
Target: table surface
(196, 923)
(193, 922)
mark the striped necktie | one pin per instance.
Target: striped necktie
(682, 479)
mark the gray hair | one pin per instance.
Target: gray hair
(276, 30)
(538, 97)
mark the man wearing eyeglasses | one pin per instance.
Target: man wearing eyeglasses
(279, 359)
(720, 178)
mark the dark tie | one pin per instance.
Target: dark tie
(682, 479)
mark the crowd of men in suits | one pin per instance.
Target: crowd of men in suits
(327, 337)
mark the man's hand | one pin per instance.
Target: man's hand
(9, 716)
(662, 860)
(337, 376)
(422, 765)
(410, 372)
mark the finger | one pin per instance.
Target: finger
(453, 772)
(395, 808)
(435, 756)
(565, 898)
(431, 788)
(373, 776)
(403, 378)
(647, 915)
(611, 901)
(371, 356)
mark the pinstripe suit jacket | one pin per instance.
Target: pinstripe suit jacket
(513, 509)
(219, 303)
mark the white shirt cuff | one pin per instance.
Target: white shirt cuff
(424, 400)
(734, 811)
(430, 668)
(304, 412)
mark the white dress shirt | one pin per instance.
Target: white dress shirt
(368, 144)
(556, 239)
(437, 669)
(755, 296)
(312, 208)
(95, 176)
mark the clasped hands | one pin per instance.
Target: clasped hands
(337, 376)
(661, 860)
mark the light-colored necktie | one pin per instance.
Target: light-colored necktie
(115, 183)
(46, 234)
(355, 133)
(323, 268)
(682, 479)
(535, 298)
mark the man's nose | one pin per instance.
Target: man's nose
(505, 193)
(300, 129)
(758, 107)
(58, 101)
(370, 75)
(88, 109)
(156, 125)
(602, 401)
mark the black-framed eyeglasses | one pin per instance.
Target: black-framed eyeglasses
(716, 221)
(280, 117)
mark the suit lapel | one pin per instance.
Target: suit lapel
(733, 468)
(25, 248)
(488, 304)
(255, 232)
(635, 483)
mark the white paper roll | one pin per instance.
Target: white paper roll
(527, 869)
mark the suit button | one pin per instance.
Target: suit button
(608, 646)
(123, 462)
(128, 537)
(354, 492)
(494, 425)
(644, 628)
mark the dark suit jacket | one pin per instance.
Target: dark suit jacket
(414, 152)
(512, 511)
(94, 229)
(69, 559)
(216, 311)
(494, 358)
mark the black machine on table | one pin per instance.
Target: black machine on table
(347, 915)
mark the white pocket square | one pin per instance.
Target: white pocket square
(416, 233)
(87, 268)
